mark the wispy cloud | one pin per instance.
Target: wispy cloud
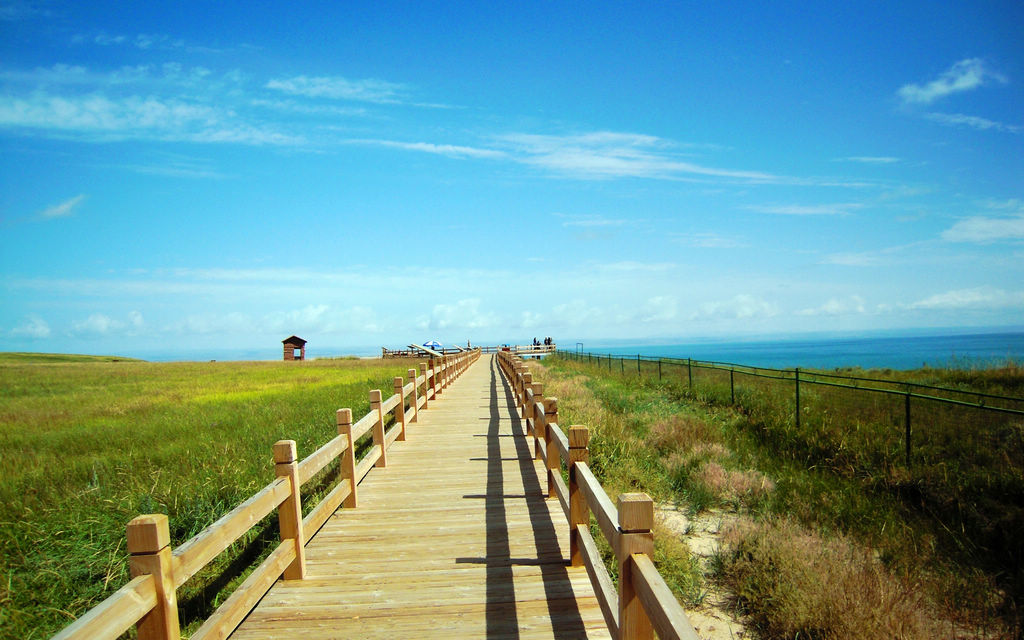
(836, 307)
(964, 75)
(739, 307)
(708, 240)
(99, 117)
(64, 209)
(451, 150)
(871, 159)
(338, 88)
(974, 122)
(607, 154)
(974, 298)
(589, 221)
(33, 327)
(985, 229)
(856, 259)
(836, 209)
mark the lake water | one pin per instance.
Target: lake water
(903, 352)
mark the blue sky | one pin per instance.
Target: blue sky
(180, 175)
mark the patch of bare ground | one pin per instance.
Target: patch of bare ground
(716, 617)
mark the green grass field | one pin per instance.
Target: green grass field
(90, 442)
(831, 513)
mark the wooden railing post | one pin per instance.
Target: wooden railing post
(415, 396)
(636, 519)
(378, 428)
(521, 372)
(553, 462)
(527, 386)
(426, 383)
(289, 513)
(400, 408)
(439, 377)
(431, 378)
(149, 543)
(579, 443)
(348, 457)
(538, 408)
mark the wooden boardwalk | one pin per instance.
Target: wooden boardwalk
(453, 539)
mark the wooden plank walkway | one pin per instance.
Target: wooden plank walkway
(452, 539)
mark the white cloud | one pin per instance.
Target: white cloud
(101, 117)
(451, 150)
(707, 240)
(607, 154)
(659, 309)
(589, 221)
(974, 122)
(337, 88)
(854, 259)
(986, 229)
(807, 210)
(836, 307)
(976, 298)
(463, 315)
(34, 327)
(96, 324)
(64, 209)
(872, 159)
(739, 307)
(964, 75)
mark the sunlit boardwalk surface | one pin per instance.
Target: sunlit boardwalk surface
(452, 539)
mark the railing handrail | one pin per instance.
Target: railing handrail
(148, 600)
(643, 603)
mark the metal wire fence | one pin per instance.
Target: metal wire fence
(880, 423)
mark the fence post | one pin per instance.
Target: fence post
(538, 407)
(149, 543)
(423, 368)
(689, 372)
(732, 387)
(527, 386)
(289, 512)
(579, 441)
(659, 369)
(400, 408)
(796, 377)
(552, 462)
(636, 518)
(378, 428)
(638, 364)
(348, 457)
(906, 423)
(415, 396)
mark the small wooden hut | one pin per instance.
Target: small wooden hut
(294, 348)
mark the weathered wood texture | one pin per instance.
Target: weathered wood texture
(452, 539)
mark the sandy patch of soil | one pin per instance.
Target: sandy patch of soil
(713, 619)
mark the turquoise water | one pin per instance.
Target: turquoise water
(904, 352)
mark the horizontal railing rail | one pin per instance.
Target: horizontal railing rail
(643, 603)
(149, 600)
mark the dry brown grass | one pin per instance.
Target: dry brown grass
(678, 432)
(795, 583)
(734, 486)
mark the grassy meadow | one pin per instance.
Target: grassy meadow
(833, 535)
(90, 442)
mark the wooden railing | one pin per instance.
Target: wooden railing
(523, 349)
(643, 603)
(149, 600)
